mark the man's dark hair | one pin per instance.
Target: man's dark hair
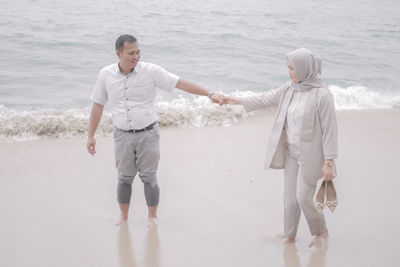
(119, 44)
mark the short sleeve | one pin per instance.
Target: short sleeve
(99, 94)
(164, 79)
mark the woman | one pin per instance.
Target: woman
(303, 141)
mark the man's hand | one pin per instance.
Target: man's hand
(327, 170)
(217, 98)
(95, 116)
(91, 146)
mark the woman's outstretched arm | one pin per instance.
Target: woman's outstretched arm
(269, 99)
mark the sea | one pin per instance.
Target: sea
(51, 52)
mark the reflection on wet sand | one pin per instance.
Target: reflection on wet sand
(152, 255)
(127, 254)
(291, 257)
(317, 258)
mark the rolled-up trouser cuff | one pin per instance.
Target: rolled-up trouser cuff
(124, 192)
(152, 194)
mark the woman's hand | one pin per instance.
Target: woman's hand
(327, 170)
(231, 100)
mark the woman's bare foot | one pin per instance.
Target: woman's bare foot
(121, 220)
(286, 240)
(319, 239)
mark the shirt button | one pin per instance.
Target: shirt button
(128, 109)
(126, 88)
(127, 99)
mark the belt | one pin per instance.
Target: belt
(148, 128)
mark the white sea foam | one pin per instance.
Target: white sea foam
(356, 98)
(360, 97)
(17, 124)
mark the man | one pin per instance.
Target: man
(129, 87)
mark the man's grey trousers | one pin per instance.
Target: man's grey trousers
(137, 153)
(299, 196)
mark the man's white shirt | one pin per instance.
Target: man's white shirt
(131, 97)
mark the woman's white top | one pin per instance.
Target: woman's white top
(294, 119)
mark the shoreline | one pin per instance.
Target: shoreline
(105, 128)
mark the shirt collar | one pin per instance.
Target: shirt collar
(118, 69)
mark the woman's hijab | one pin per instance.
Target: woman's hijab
(307, 67)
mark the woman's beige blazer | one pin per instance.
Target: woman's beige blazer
(318, 140)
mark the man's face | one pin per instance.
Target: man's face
(129, 55)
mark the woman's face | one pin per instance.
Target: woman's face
(292, 74)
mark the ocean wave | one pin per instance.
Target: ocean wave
(357, 98)
(18, 125)
(360, 97)
(21, 125)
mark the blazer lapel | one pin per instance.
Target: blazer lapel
(277, 142)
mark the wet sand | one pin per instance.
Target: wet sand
(218, 206)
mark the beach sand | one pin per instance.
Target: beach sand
(218, 207)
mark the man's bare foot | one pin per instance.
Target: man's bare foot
(151, 221)
(319, 239)
(288, 240)
(121, 220)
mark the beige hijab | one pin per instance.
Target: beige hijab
(307, 67)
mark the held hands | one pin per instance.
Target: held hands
(223, 99)
(216, 98)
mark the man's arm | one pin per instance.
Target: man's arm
(192, 88)
(95, 116)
